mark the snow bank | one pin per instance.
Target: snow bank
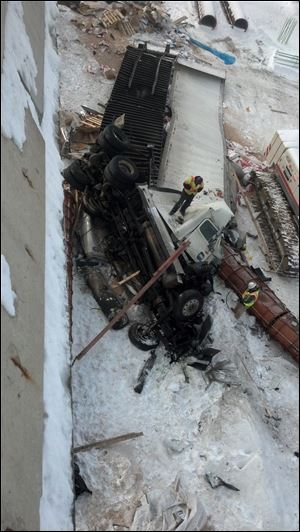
(8, 296)
(18, 76)
(57, 496)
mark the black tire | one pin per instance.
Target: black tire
(98, 160)
(115, 137)
(188, 305)
(104, 145)
(139, 340)
(121, 172)
(69, 178)
(79, 170)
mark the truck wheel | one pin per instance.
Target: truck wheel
(69, 178)
(121, 172)
(115, 137)
(138, 336)
(188, 304)
(79, 172)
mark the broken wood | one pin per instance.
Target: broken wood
(277, 111)
(106, 443)
(157, 274)
(119, 283)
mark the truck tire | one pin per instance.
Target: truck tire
(115, 137)
(188, 304)
(79, 169)
(139, 339)
(121, 172)
(69, 178)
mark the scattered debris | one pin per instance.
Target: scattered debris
(146, 368)
(172, 508)
(216, 482)
(106, 443)
(77, 131)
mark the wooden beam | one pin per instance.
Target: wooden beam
(106, 443)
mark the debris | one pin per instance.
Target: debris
(77, 131)
(106, 443)
(80, 485)
(111, 18)
(156, 15)
(120, 121)
(146, 368)
(173, 508)
(91, 8)
(179, 21)
(277, 111)
(223, 370)
(216, 482)
(296, 453)
(109, 72)
(128, 278)
(127, 28)
(226, 58)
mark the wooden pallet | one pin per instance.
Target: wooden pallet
(110, 18)
(127, 28)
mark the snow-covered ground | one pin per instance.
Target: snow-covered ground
(8, 296)
(246, 433)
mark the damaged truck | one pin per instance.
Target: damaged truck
(125, 217)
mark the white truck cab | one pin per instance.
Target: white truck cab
(203, 223)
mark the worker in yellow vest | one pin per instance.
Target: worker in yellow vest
(249, 298)
(191, 186)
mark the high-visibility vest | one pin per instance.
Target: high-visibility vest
(194, 187)
(250, 298)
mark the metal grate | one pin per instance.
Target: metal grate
(140, 92)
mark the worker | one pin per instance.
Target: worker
(248, 299)
(191, 186)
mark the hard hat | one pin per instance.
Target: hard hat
(252, 286)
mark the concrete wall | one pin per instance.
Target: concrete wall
(23, 243)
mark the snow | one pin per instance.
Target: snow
(8, 296)
(18, 76)
(192, 427)
(57, 493)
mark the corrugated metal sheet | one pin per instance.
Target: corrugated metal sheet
(195, 141)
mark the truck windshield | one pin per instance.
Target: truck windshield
(208, 230)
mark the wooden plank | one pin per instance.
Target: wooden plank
(106, 443)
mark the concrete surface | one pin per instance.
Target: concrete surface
(23, 245)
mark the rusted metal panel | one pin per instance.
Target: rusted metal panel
(278, 321)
